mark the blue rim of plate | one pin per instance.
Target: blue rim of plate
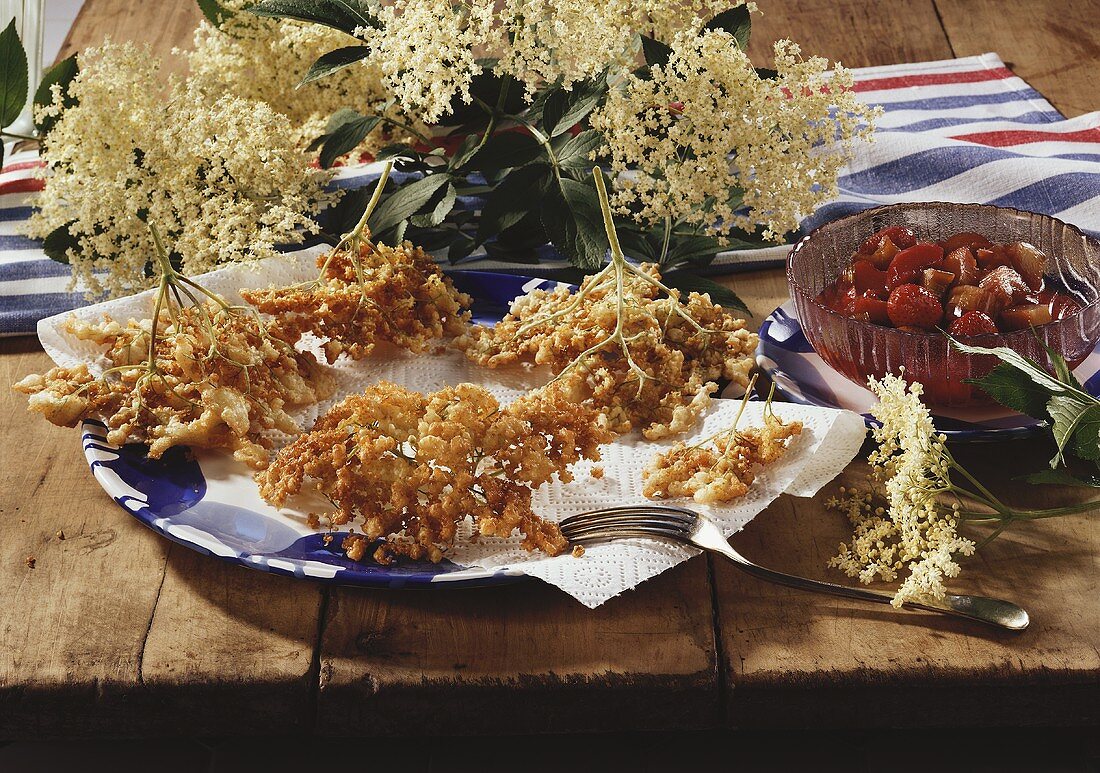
(168, 495)
(801, 376)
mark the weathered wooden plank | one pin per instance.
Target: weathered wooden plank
(165, 26)
(857, 33)
(231, 647)
(71, 628)
(796, 658)
(518, 659)
(1053, 46)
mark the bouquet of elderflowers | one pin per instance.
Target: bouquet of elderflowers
(512, 102)
(923, 508)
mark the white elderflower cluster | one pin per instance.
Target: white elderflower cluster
(221, 178)
(705, 136)
(265, 60)
(427, 50)
(915, 531)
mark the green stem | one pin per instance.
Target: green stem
(608, 218)
(665, 240)
(13, 135)
(375, 197)
(545, 142)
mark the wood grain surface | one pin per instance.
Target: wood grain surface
(115, 631)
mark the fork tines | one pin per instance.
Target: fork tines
(630, 520)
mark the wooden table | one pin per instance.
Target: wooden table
(118, 631)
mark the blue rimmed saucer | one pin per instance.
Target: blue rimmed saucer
(210, 504)
(801, 376)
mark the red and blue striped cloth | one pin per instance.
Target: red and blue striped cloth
(964, 130)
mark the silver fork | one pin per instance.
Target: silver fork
(679, 524)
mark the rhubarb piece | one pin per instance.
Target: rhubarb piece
(962, 264)
(1025, 315)
(964, 298)
(1029, 261)
(1006, 283)
(968, 239)
(937, 280)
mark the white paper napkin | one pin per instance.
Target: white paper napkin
(830, 439)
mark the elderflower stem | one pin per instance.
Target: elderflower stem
(357, 232)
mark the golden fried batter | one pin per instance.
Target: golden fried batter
(408, 468)
(384, 294)
(218, 380)
(721, 469)
(649, 361)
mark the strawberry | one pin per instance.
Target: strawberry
(871, 310)
(899, 235)
(868, 279)
(911, 305)
(909, 263)
(970, 240)
(972, 323)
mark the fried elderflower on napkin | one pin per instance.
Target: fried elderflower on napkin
(367, 293)
(206, 376)
(722, 467)
(623, 342)
(407, 468)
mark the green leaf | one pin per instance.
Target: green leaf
(460, 248)
(693, 283)
(1061, 368)
(1061, 478)
(465, 151)
(215, 13)
(442, 208)
(573, 152)
(514, 198)
(1016, 390)
(58, 242)
(406, 201)
(346, 138)
(573, 222)
(334, 60)
(565, 109)
(736, 21)
(13, 75)
(61, 74)
(1069, 416)
(508, 149)
(343, 15)
(1018, 361)
(655, 52)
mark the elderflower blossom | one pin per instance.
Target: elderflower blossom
(706, 140)
(265, 59)
(426, 51)
(222, 179)
(915, 531)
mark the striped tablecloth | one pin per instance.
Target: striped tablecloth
(964, 130)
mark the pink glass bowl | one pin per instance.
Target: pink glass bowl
(859, 349)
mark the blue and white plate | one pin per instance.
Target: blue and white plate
(210, 504)
(801, 376)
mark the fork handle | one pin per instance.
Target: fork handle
(995, 612)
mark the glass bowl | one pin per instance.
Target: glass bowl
(859, 349)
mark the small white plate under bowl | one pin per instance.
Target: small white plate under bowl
(801, 376)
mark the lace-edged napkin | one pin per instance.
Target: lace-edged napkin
(830, 439)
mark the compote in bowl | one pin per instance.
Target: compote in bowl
(877, 291)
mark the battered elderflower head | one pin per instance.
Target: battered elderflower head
(706, 135)
(916, 530)
(221, 177)
(265, 59)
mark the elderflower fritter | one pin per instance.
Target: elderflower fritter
(222, 178)
(216, 379)
(706, 140)
(265, 59)
(916, 530)
(407, 468)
